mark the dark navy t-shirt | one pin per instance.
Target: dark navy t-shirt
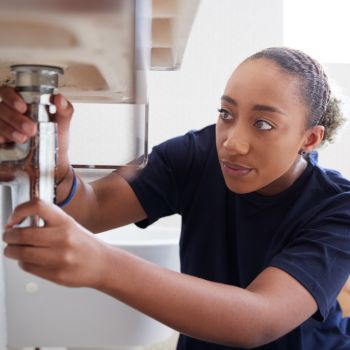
(230, 238)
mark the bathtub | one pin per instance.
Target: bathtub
(42, 314)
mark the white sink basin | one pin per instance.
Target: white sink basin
(43, 314)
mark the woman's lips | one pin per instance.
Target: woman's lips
(235, 169)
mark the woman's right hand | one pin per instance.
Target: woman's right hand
(16, 127)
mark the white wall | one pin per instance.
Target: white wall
(321, 25)
(335, 155)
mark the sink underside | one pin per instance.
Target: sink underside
(93, 41)
(95, 48)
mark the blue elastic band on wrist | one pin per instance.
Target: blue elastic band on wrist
(71, 193)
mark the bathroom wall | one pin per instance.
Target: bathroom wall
(319, 37)
(333, 155)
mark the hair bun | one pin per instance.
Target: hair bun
(332, 119)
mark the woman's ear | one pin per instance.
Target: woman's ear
(313, 138)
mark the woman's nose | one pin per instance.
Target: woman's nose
(236, 142)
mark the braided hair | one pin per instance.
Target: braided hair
(323, 108)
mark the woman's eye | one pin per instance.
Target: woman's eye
(263, 125)
(224, 114)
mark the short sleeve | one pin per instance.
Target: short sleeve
(318, 256)
(169, 177)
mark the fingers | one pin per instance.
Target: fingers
(32, 255)
(64, 110)
(63, 253)
(43, 263)
(50, 213)
(32, 236)
(63, 116)
(14, 126)
(9, 96)
(8, 132)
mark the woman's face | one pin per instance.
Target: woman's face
(260, 129)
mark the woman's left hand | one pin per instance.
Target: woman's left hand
(62, 251)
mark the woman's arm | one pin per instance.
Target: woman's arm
(106, 203)
(274, 304)
(64, 252)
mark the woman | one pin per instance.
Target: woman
(264, 243)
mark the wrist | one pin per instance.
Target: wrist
(66, 187)
(106, 279)
(61, 178)
(113, 263)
